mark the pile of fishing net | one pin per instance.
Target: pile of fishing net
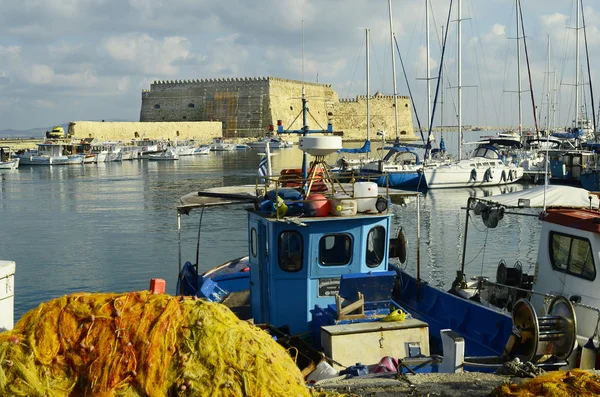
(142, 344)
(555, 384)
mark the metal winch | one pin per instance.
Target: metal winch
(537, 338)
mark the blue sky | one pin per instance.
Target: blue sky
(90, 59)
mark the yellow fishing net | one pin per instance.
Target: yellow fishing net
(555, 384)
(142, 344)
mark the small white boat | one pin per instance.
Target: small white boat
(203, 150)
(49, 153)
(7, 161)
(222, 145)
(168, 155)
(274, 143)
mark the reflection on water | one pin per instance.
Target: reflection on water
(112, 226)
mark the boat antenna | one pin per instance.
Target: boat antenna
(304, 113)
(393, 68)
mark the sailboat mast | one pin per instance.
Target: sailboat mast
(442, 96)
(367, 31)
(459, 66)
(548, 93)
(429, 121)
(393, 67)
(519, 71)
(577, 66)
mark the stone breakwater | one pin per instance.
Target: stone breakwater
(126, 131)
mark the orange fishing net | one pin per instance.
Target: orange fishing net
(142, 344)
(555, 384)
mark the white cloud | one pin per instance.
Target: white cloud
(148, 56)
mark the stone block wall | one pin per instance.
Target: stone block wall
(240, 103)
(351, 117)
(125, 131)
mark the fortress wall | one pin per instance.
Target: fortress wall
(286, 103)
(241, 103)
(351, 117)
(125, 131)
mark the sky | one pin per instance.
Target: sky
(66, 60)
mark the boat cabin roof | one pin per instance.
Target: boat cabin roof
(578, 218)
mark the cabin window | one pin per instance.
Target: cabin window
(291, 249)
(572, 255)
(375, 246)
(157, 106)
(335, 250)
(253, 242)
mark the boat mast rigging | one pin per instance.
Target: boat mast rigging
(393, 68)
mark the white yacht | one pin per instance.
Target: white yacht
(484, 168)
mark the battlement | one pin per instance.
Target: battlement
(374, 98)
(235, 79)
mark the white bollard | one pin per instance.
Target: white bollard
(453, 346)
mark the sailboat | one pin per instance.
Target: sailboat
(401, 167)
(346, 164)
(484, 168)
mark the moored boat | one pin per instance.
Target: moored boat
(7, 160)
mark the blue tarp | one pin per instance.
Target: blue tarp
(365, 149)
(573, 134)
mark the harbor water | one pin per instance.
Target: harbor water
(112, 226)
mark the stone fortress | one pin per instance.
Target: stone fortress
(246, 108)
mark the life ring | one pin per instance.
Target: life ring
(503, 176)
(487, 176)
(145, 149)
(473, 175)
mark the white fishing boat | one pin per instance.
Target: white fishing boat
(222, 145)
(49, 153)
(170, 154)
(274, 143)
(202, 150)
(184, 148)
(7, 160)
(130, 152)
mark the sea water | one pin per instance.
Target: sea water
(113, 226)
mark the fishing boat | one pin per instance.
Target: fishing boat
(202, 150)
(7, 160)
(49, 153)
(274, 143)
(331, 252)
(169, 154)
(222, 145)
(565, 269)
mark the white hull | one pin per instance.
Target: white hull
(167, 155)
(10, 164)
(185, 150)
(50, 160)
(472, 173)
(272, 145)
(223, 147)
(202, 151)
